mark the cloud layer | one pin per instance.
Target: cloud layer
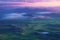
(13, 9)
(50, 4)
(14, 16)
(30, 0)
(33, 4)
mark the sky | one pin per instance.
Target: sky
(31, 3)
(11, 9)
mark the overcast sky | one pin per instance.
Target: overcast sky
(30, 0)
(10, 6)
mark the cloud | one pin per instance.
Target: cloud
(14, 16)
(48, 4)
(32, 4)
(30, 0)
(40, 16)
(45, 12)
(10, 0)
